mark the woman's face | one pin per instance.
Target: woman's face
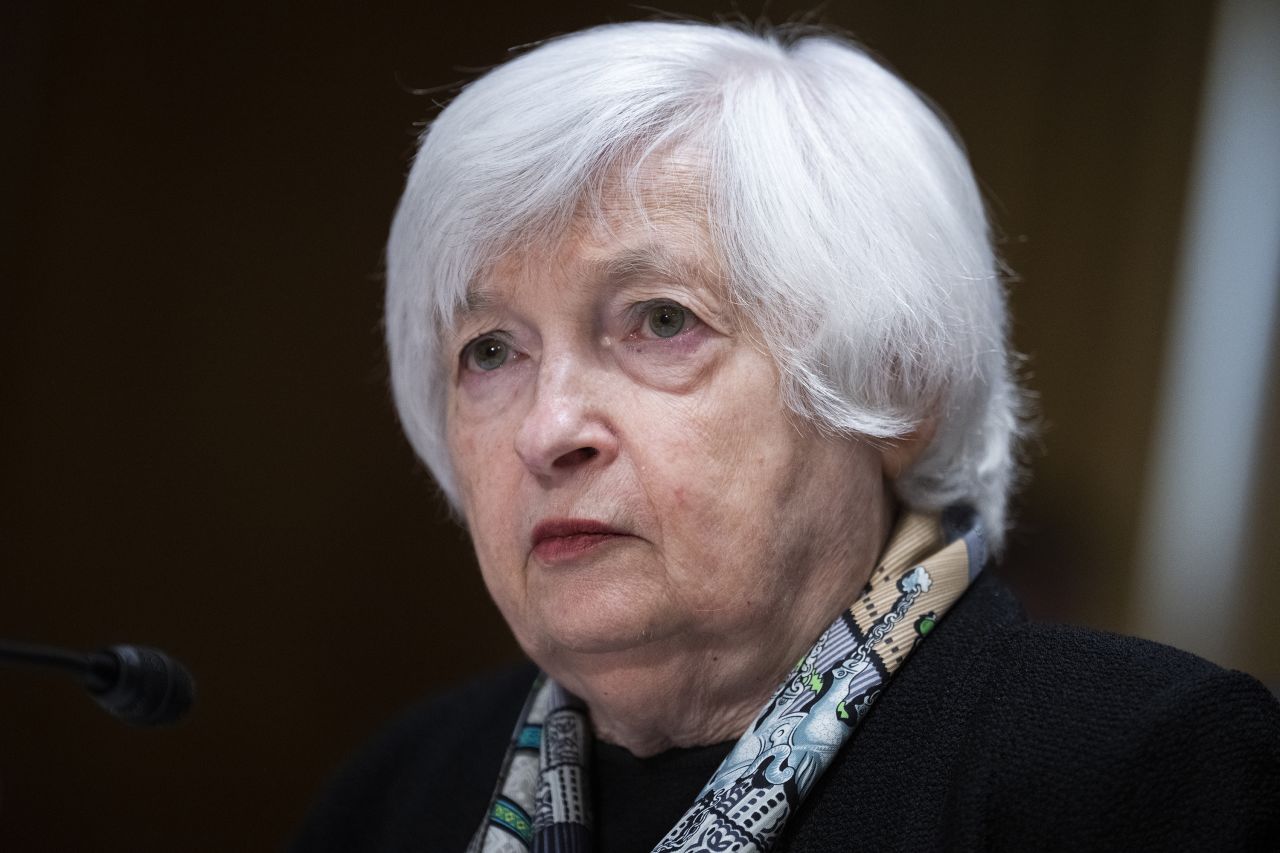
(629, 473)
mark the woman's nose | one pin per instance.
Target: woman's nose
(567, 428)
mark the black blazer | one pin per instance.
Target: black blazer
(996, 734)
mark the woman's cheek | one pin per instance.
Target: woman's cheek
(672, 364)
(480, 416)
(485, 391)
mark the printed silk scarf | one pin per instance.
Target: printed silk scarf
(543, 800)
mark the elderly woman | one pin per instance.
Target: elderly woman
(702, 335)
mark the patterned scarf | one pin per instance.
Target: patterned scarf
(543, 799)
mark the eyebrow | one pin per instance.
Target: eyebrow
(650, 260)
(475, 301)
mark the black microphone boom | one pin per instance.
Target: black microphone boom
(140, 685)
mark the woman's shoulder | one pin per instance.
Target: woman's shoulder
(1109, 688)
(1060, 669)
(1082, 734)
(999, 733)
(1121, 738)
(1060, 696)
(425, 775)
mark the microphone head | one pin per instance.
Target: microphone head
(148, 688)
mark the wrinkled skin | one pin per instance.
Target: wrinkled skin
(747, 529)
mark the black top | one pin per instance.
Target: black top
(638, 800)
(996, 734)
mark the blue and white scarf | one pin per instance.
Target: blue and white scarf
(543, 800)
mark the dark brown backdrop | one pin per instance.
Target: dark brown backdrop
(198, 446)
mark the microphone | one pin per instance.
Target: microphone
(140, 685)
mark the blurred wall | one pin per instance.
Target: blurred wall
(198, 446)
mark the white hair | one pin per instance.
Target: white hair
(852, 231)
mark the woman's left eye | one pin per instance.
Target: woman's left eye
(667, 319)
(486, 353)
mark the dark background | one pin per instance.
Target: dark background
(199, 450)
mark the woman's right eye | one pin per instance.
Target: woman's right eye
(486, 353)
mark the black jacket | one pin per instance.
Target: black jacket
(996, 734)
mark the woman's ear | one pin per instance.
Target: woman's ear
(899, 454)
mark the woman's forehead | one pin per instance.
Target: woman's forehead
(656, 244)
(644, 213)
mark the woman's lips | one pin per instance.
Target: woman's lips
(560, 540)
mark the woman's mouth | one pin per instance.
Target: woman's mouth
(560, 540)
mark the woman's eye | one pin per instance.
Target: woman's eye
(666, 319)
(487, 353)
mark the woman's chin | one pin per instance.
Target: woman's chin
(580, 624)
(611, 607)
(599, 632)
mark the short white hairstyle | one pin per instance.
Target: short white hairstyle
(852, 231)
